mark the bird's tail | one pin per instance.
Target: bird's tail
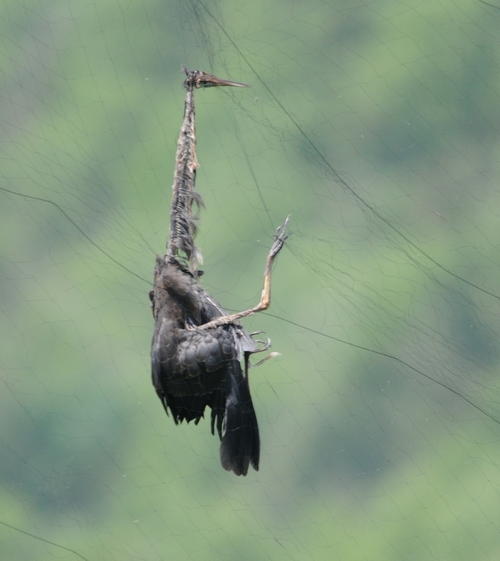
(240, 444)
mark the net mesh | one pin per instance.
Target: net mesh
(375, 125)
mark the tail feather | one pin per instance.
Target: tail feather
(240, 444)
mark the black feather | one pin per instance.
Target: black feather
(195, 368)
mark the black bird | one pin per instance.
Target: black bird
(197, 347)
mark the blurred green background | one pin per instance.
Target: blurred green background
(376, 126)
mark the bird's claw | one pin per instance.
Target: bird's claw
(265, 359)
(280, 237)
(265, 346)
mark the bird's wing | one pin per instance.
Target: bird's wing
(193, 369)
(190, 370)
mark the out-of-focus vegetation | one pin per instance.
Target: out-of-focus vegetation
(376, 126)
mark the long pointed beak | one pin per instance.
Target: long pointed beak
(209, 81)
(200, 79)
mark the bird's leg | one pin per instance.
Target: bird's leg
(265, 300)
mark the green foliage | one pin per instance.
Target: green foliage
(364, 456)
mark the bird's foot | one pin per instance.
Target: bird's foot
(280, 237)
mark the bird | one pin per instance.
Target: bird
(200, 353)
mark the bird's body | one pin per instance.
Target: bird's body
(196, 368)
